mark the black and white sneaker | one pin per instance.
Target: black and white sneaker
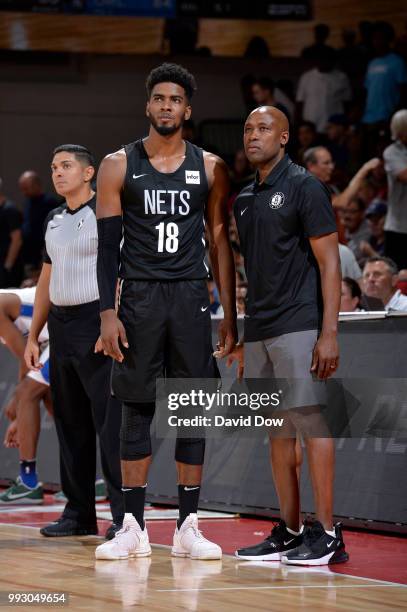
(318, 547)
(278, 542)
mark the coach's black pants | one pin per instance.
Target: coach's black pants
(80, 386)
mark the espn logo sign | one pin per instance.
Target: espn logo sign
(192, 177)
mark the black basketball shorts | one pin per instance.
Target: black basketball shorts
(168, 327)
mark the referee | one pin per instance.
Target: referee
(67, 294)
(289, 240)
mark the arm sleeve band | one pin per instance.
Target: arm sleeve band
(109, 238)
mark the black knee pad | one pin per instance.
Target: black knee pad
(190, 450)
(135, 440)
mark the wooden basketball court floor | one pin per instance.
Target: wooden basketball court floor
(32, 563)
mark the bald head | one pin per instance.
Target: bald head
(30, 184)
(278, 118)
(265, 135)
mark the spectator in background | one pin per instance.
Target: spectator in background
(402, 281)
(11, 265)
(257, 48)
(350, 295)
(356, 226)
(307, 137)
(263, 92)
(380, 281)
(351, 58)
(395, 160)
(241, 292)
(181, 37)
(385, 83)
(321, 35)
(36, 208)
(349, 266)
(318, 161)
(337, 133)
(376, 216)
(365, 36)
(323, 91)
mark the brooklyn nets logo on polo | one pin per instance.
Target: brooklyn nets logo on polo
(276, 200)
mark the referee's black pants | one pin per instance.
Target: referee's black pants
(83, 406)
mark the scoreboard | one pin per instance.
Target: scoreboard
(256, 9)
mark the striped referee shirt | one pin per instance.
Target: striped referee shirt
(71, 244)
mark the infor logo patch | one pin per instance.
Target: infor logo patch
(277, 200)
(192, 177)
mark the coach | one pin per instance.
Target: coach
(289, 240)
(67, 294)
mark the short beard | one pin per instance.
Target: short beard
(165, 130)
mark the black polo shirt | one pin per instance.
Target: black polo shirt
(275, 219)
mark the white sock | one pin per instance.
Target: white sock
(331, 533)
(294, 533)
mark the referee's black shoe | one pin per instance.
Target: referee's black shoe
(112, 530)
(65, 526)
(278, 542)
(318, 547)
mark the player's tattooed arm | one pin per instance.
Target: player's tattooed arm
(220, 252)
(110, 181)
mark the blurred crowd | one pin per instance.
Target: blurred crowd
(348, 127)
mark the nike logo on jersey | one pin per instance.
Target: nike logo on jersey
(330, 543)
(203, 308)
(81, 222)
(242, 212)
(288, 542)
(53, 226)
(190, 488)
(137, 176)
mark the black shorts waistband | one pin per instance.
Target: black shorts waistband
(76, 309)
(162, 280)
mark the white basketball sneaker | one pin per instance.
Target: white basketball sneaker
(129, 541)
(189, 542)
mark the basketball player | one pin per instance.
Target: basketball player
(158, 191)
(67, 296)
(16, 308)
(289, 240)
(16, 311)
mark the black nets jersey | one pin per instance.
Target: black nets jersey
(163, 217)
